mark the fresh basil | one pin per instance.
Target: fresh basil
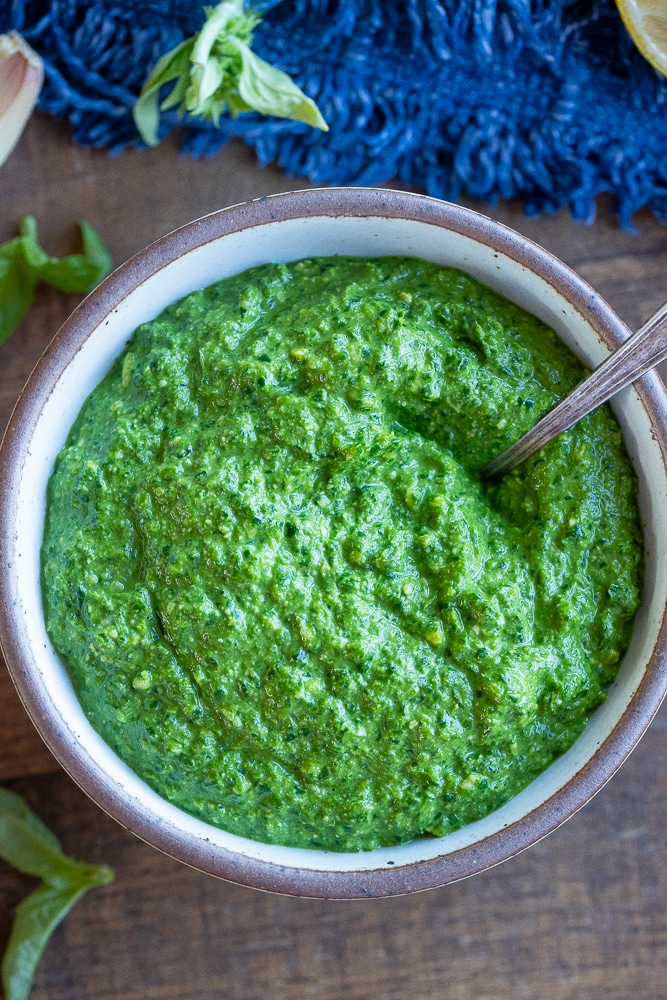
(28, 845)
(174, 65)
(272, 92)
(23, 263)
(216, 71)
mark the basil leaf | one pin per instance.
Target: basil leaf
(36, 919)
(172, 100)
(95, 253)
(216, 71)
(23, 262)
(237, 104)
(272, 92)
(27, 241)
(174, 65)
(78, 272)
(12, 804)
(17, 291)
(27, 849)
(219, 20)
(28, 845)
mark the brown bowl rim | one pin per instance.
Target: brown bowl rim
(214, 859)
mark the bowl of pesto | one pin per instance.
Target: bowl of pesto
(254, 595)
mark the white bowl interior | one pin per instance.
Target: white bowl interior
(283, 241)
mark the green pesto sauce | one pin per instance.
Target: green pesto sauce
(282, 594)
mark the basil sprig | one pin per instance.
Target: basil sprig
(23, 263)
(215, 71)
(28, 845)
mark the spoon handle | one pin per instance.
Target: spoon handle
(641, 352)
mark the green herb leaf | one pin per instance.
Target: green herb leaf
(17, 290)
(80, 271)
(216, 71)
(12, 804)
(174, 65)
(26, 848)
(28, 845)
(272, 92)
(23, 263)
(36, 919)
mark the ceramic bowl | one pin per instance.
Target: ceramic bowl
(284, 228)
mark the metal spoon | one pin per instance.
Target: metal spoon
(641, 352)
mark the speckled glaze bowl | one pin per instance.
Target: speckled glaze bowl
(284, 228)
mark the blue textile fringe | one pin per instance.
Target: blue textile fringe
(546, 100)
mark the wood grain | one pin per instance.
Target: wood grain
(580, 915)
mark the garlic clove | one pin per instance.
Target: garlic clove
(21, 78)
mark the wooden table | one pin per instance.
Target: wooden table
(580, 915)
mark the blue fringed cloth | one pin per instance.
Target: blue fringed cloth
(547, 100)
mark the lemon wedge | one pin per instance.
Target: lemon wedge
(646, 20)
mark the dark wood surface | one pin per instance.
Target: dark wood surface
(580, 915)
